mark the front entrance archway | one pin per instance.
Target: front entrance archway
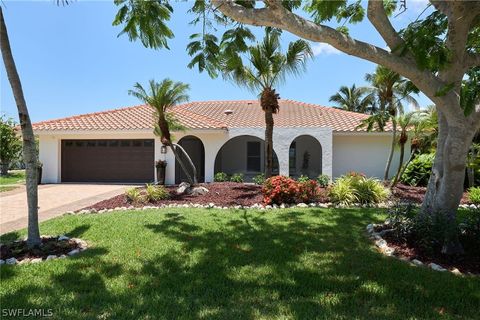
(243, 154)
(195, 149)
(305, 157)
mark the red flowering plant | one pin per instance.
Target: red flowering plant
(308, 191)
(280, 189)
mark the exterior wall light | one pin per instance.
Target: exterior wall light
(163, 149)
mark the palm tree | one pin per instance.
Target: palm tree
(413, 120)
(162, 96)
(29, 146)
(390, 89)
(354, 99)
(265, 68)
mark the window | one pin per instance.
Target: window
(253, 156)
(91, 143)
(79, 143)
(137, 143)
(292, 156)
(113, 143)
(147, 143)
(125, 143)
(69, 143)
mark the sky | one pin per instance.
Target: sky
(71, 60)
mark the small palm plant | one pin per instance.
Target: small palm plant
(354, 99)
(262, 68)
(162, 96)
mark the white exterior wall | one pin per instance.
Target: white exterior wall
(340, 153)
(364, 152)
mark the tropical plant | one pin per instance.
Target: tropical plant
(163, 96)
(262, 69)
(323, 180)
(220, 177)
(155, 193)
(350, 189)
(405, 122)
(259, 179)
(134, 195)
(28, 138)
(474, 195)
(303, 178)
(10, 144)
(237, 177)
(418, 171)
(354, 99)
(390, 89)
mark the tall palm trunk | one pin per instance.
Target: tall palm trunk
(392, 150)
(269, 102)
(268, 142)
(29, 148)
(400, 165)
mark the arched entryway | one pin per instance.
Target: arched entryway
(243, 154)
(305, 157)
(195, 149)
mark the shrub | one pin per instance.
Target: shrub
(308, 191)
(342, 192)
(469, 229)
(237, 177)
(259, 179)
(350, 188)
(303, 178)
(323, 180)
(134, 195)
(370, 190)
(279, 189)
(474, 195)
(418, 170)
(155, 193)
(401, 220)
(220, 177)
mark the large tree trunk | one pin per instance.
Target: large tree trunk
(4, 168)
(445, 187)
(392, 150)
(268, 143)
(29, 148)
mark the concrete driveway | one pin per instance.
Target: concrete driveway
(53, 200)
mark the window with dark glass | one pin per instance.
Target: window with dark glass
(69, 143)
(102, 143)
(292, 156)
(147, 143)
(137, 143)
(113, 143)
(91, 143)
(253, 156)
(79, 143)
(125, 143)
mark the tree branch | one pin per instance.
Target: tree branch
(378, 17)
(275, 15)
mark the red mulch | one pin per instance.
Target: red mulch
(467, 263)
(220, 194)
(49, 246)
(416, 194)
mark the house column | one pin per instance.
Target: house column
(282, 138)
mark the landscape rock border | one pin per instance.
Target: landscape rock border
(82, 246)
(257, 206)
(383, 247)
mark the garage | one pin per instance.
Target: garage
(117, 160)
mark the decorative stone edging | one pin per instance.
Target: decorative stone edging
(257, 206)
(82, 246)
(385, 249)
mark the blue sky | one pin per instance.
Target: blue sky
(71, 61)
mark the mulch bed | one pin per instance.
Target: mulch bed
(465, 263)
(220, 194)
(49, 246)
(416, 194)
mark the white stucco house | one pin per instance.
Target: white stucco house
(221, 136)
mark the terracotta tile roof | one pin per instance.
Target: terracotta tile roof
(212, 115)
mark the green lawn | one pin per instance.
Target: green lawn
(13, 177)
(233, 264)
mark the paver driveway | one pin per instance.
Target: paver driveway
(53, 200)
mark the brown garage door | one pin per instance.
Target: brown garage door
(107, 160)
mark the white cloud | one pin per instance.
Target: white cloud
(325, 49)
